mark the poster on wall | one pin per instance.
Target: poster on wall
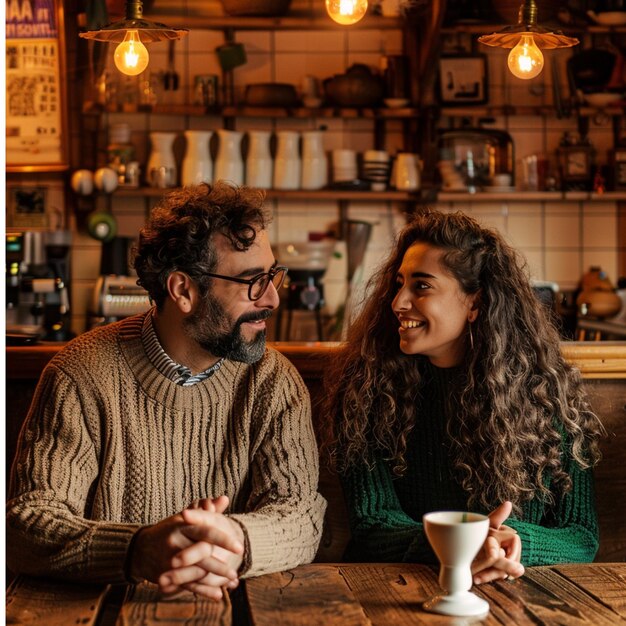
(35, 129)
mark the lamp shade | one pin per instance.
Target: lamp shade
(149, 32)
(544, 38)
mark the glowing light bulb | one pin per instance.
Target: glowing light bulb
(526, 60)
(346, 12)
(131, 56)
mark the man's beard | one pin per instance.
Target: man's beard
(208, 326)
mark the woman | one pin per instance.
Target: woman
(452, 394)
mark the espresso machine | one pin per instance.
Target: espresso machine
(116, 294)
(37, 286)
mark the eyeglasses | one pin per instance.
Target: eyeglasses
(258, 284)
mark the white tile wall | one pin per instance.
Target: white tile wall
(558, 239)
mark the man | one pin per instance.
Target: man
(173, 446)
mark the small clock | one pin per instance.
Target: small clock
(576, 165)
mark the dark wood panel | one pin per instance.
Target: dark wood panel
(608, 399)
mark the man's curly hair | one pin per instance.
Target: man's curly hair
(178, 235)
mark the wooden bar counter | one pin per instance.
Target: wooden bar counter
(598, 359)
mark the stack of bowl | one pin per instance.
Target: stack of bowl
(376, 167)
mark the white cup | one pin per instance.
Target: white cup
(456, 537)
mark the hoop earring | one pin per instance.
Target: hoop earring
(471, 336)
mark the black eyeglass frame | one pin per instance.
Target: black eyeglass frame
(251, 281)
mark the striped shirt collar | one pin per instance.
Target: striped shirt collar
(180, 374)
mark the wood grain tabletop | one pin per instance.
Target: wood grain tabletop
(367, 594)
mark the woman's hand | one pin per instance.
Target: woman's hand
(501, 553)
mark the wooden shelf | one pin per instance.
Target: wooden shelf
(542, 110)
(299, 194)
(487, 29)
(293, 21)
(193, 110)
(531, 196)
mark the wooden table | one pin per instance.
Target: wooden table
(330, 594)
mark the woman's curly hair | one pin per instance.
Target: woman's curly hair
(178, 234)
(521, 407)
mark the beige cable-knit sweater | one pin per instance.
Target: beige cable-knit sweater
(111, 445)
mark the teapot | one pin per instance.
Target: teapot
(358, 87)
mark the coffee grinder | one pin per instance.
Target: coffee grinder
(37, 285)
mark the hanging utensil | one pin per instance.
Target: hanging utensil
(170, 78)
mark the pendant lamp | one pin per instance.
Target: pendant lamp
(526, 39)
(132, 33)
(346, 12)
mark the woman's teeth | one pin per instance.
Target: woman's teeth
(411, 324)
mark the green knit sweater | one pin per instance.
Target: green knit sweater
(386, 512)
(110, 445)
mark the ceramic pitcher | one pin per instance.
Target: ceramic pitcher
(287, 165)
(197, 165)
(314, 160)
(229, 163)
(161, 171)
(259, 165)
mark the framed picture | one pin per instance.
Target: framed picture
(36, 124)
(463, 79)
(28, 207)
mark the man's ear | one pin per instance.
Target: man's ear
(181, 291)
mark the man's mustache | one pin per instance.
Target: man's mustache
(254, 316)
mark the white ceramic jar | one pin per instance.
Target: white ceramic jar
(259, 164)
(314, 160)
(229, 162)
(287, 165)
(197, 165)
(161, 171)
